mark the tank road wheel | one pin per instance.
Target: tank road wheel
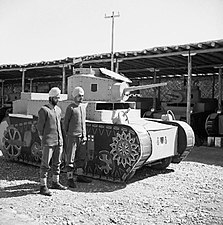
(12, 142)
(162, 164)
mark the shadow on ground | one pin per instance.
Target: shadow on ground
(109, 186)
(18, 179)
(18, 190)
(146, 172)
(206, 155)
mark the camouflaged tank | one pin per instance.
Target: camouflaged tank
(119, 141)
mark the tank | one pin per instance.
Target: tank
(201, 108)
(119, 141)
(214, 124)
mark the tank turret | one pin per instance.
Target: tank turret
(106, 93)
(103, 85)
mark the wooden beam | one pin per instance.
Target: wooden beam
(157, 55)
(154, 91)
(63, 79)
(189, 81)
(23, 79)
(2, 92)
(117, 66)
(213, 84)
(170, 68)
(220, 90)
(36, 67)
(59, 77)
(30, 84)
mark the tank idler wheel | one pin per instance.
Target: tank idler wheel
(162, 164)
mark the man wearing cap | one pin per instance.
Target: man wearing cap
(50, 133)
(75, 130)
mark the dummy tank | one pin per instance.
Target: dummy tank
(119, 141)
(201, 108)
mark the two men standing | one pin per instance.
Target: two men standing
(50, 133)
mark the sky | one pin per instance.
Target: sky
(46, 30)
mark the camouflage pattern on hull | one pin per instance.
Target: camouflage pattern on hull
(20, 141)
(114, 152)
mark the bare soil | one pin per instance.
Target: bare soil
(187, 193)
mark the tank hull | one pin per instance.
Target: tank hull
(114, 151)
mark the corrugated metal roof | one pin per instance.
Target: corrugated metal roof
(167, 61)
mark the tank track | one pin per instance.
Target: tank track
(178, 158)
(114, 151)
(186, 139)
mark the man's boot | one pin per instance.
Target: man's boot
(43, 187)
(81, 178)
(56, 184)
(70, 180)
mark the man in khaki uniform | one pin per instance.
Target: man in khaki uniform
(50, 133)
(75, 130)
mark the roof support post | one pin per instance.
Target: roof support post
(159, 92)
(2, 92)
(220, 89)
(117, 66)
(23, 79)
(154, 90)
(189, 81)
(118, 61)
(30, 84)
(213, 84)
(63, 79)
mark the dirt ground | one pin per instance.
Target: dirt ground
(187, 193)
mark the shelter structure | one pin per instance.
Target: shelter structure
(155, 64)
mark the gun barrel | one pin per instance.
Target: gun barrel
(135, 88)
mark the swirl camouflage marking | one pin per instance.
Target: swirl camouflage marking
(113, 151)
(124, 149)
